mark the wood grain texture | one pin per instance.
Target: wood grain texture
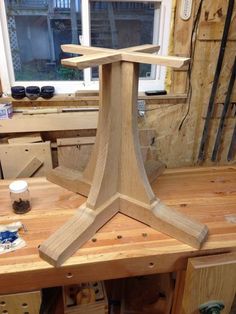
(207, 279)
(205, 194)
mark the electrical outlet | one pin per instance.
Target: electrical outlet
(186, 9)
(141, 107)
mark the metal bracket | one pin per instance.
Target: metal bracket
(141, 107)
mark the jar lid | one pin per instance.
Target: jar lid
(18, 186)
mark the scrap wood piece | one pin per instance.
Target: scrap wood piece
(14, 156)
(30, 138)
(30, 168)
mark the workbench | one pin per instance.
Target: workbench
(123, 247)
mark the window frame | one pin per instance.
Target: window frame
(161, 31)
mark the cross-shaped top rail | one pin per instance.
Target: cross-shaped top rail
(94, 56)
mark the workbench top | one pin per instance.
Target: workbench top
(123, 247)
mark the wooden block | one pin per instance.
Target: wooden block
(30, 138)
(30, 168)
(14, 157)
(207, 279)
(21, 303)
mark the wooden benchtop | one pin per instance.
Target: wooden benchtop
(123, 247)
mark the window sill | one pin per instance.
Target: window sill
(93, 96)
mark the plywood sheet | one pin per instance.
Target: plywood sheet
(74, 153)
(15, 157)
(213, 20)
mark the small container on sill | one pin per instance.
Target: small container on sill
(32, 92)
(18, 92)
(47, 92)
(20, 196)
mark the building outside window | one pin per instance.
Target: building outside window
(31, 33)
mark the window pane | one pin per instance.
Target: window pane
(120, 25)
(36, 31)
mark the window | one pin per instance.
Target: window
(32, 31)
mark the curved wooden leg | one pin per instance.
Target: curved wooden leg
(76, 231)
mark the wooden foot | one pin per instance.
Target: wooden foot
(166, 220)
(74, 180)
(76, 231)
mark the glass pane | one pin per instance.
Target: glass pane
(120, 25)
(36, 31)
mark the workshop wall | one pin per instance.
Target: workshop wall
(179, 120)
(176, 145)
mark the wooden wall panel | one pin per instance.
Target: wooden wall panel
(180, 147)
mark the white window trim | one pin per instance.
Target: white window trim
(64, 87)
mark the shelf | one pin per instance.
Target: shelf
(49, 122)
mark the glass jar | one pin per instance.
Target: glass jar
(20, 196)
